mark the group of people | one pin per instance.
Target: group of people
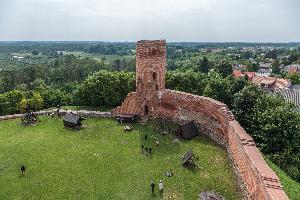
(146, 150)
(160, 186)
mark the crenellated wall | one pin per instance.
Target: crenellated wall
(256, 178)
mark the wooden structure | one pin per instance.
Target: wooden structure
(126, 118)
(189, 159)
(182, 129)
(187, 130)
(72, 120)
(29, 118)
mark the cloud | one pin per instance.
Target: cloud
(188, 20)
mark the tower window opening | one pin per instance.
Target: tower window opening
(146, 110)
(154, 76)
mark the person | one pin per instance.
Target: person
(27, 108)
(146, 149)
(58, 109)
(161, 186)
(146, 137)
(152, 186)
(23, 169)
(150, 150)
(142, 149)
(157, 143)
(169, 173)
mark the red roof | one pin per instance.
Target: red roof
(270, 82)
(238, 74)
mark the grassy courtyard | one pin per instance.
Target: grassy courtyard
(100, 161)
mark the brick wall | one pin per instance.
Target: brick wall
(151, 99)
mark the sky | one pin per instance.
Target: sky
(132, 20)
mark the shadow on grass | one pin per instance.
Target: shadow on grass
(206, 140)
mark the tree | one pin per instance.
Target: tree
(203, 65)
(117, 65)
(243, 104)
(224, 68)
(272, 54)
(188, 81)
(294, 77)
(3, 104)
(253, 67)
(14, 99)
(35, 52)
(218, 88)
(105, 88)
(275, 67)
(275, 128)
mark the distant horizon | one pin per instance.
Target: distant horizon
(123, 41)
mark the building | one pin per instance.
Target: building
(265, 69)
(239, 74)
(271, 83)
(295, 68)
(187, 130)
(213, 118)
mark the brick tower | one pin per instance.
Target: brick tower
(150, 71)
(150, 78)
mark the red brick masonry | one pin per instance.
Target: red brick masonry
(151, 99)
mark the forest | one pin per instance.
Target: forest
(100, 74)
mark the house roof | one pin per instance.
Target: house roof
(295, 68)
(265, 65)
(271, 81)
(238, 74)
(189, 127)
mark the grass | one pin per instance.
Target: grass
(100, 161)
(291, 187)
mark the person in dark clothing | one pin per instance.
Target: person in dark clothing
(27, 108)
(142, 149)
(23, 169)
(146, 137)
(146, 149)
(58, 109)
(152, 186)
(150, 150)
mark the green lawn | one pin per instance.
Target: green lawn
(100, 161)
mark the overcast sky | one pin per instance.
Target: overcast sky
(131, 20)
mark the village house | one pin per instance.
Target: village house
(271, 83)
(295, 68)
(265, 69)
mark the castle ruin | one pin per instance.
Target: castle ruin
(151, 99)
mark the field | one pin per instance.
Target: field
(100, 161)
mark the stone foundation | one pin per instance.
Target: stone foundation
(82, 113)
